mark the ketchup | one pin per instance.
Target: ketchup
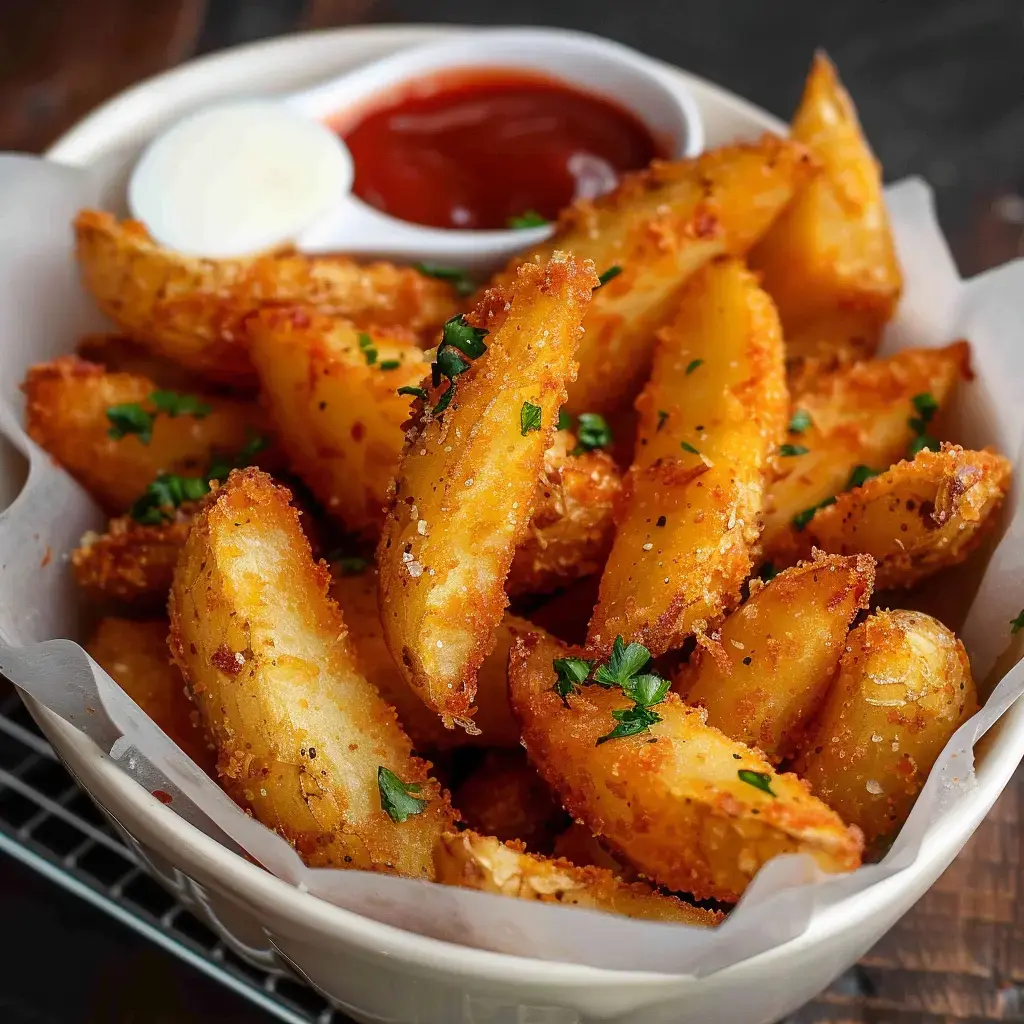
(480, 148)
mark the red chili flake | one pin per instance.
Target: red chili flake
(164, 798)
(228, 661)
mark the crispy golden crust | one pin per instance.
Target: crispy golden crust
(710, 417)
(860, 416)
(829, 260)
(473, 861)
(299, 731)
(675, 808)
(465, 489)
(66, 413)
(131, 562)
(918, 517)
(764, 677)
(135, 655)
(572, 528)
(904, 686)
(506, 798)
(660, 226)
(190, 309)
(339, 416)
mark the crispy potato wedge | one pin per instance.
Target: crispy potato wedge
(710, 417)
(859, 417)
(117, 353)
(190, 309)
(300, 733)
(660, 226)
(506, 798)
(579, 847)
(904, 687)
(135, 655)
(356, 595)
(472, 861)
(132, 562)
(572, 528)
(66, 413)
(764, 678)
(467, 482)
(919, 516)
(829, 260)
(688, 807)
(338, 415)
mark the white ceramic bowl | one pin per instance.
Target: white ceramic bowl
(373, 971)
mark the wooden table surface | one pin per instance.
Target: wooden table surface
(940, 88)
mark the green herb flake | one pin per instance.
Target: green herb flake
(564, 421)
(662, 418)
(467, 339)
(609, 275)
(860, 476)
(413, 392)
(693, 365)
(768, 572)
(646, 689)
(788, 451)
(529, 418)
(173, 403)
(450, 363)
(390, 364)
(445, 400)
(528, 219)
(130, 418)
(1017, 624)
(166, 493)
(926, 406)
(801, 519)
(571, 673)
(799, 421)
(759, 780)
(460, 280)
(631, 721)
(687, 447)
(624, 663)
(592, 432)
(920, 443)
(397, 798)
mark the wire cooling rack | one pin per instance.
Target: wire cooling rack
(49, 824)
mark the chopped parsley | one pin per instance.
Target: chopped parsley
(366, 344)
(860, 475)
(693, 365)
(413, 392)
(397, 798)
(458, 339)
(176, 404)
(801, 519)
(390, 364)
(592, 432)
(571, 674)
(799, 421)
(446, 399)
(166, 493)
(662, 417)
(788, 451)
(460, 280)
(130, 418)
(759, 780)
(631, 721)
(768, 572)
(450, 364)
(687, 447)
(529, 418)
(624, 663)
(528, 219)
(467, 339)
(221, 466)
(609, 275)
(1017, 624)
(564, 421)
(920, 443)
(926, 406)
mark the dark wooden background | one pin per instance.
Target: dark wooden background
(940, 86)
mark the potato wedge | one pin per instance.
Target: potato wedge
(332, 392)
(472, 861)
(685, 805)
(572, 528)
(67, 403)
(829, 260)
(117, 353)
(763, 679)
(579, 847)
(356, 595)
(904, 687)
(506, 798)
(660, 226)
(190, 309)
(301, 735)
(135, 655)
(919, 516)
(711, 415)
(859, 417)
(467, 482)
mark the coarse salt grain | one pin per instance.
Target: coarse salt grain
(873, 787)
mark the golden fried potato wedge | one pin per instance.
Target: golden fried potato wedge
(829, 260)
(190, 310)
(332, 392)
(764, 677)
(918, 517)
(660, 226)
(505, 797)
(135, 655)
(132, 561)
(578, 846)
(904, 687)
(356, 594)
(467, 482)
(572, 528)
(472, 861)
(688, 807)
(304, 742)
(117, 353)
(710, 417)
(867, 416)
(68, 403)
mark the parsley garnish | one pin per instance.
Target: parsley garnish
(1017, 624)
(130, 418)
(166, 493)
(624, 663)
(788, 451)
(687, 447)
(631, 721)
(799, 421)
(450, 364)
(623, 669)
(176, 404)
(221, 466)
(647, 689)
(528, 219)
(529, 418)
(390, 364)
(662, 417)
(366, 344)
(446, 399)
(926, 407)
(768, 572)
(414, 392)
(693, 365)
(860, 475)
(467, 339)
(610, 274)
(396, 796)
(564, 421)
(571, 673)
(801, 519)
(759, 780)
(460, 280)
(921, 442)
(457, 337)
(593, 432)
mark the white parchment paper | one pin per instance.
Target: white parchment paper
(43, 311)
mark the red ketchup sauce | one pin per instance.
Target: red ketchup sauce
(475, 149)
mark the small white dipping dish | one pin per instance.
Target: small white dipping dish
(252, 175)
